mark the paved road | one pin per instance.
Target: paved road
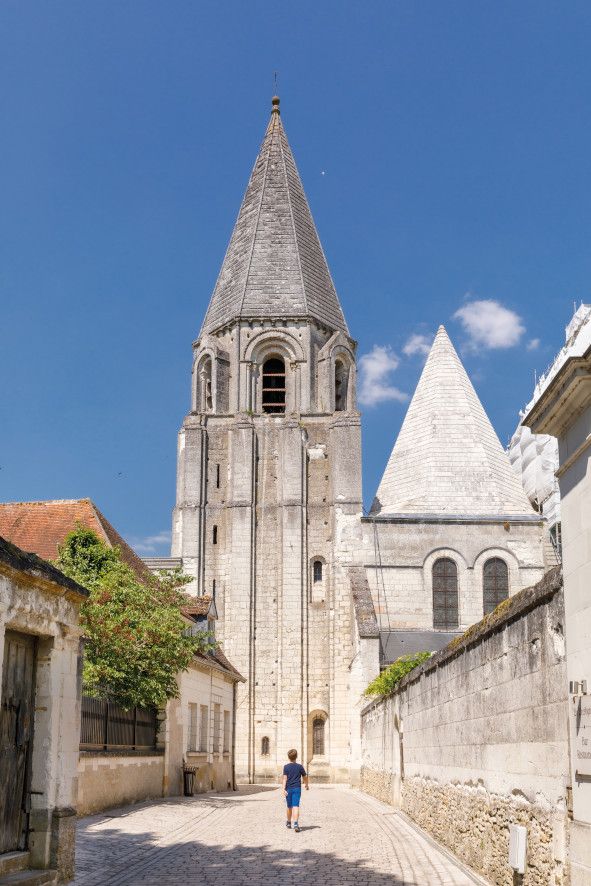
(231, 839)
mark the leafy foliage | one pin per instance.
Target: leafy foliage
(386, 682)
(136, 642)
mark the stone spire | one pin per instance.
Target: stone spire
(274, 265)
(447, 458)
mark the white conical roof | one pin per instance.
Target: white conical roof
(447, 458)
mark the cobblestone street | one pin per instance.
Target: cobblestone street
(240, 838)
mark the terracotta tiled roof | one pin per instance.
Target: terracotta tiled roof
(197, 606)
(218, 657)
(40, 526)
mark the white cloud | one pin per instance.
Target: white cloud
(375, 369)
(533, 344)
(417, 344)
(490, 325)
(152, 544)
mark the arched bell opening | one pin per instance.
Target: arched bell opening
(341, 385)
(273, 387)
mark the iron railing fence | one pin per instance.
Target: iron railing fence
(107, 726)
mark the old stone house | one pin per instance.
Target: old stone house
(269, 517)
(200, 723)
(39, 713)
(119, 770)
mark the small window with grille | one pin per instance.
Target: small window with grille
(317, 571)
(274, 386)
(495, 583)
(265, 746)
(445, 594)
(318, 736)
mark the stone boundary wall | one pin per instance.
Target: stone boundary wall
(108, 780)
(476, 738)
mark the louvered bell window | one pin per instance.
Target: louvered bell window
(445, 594)
(495, 583)
(274, 385)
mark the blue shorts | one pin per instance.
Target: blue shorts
(293, 797)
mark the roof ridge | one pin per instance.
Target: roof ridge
(46, 501)
(269, 133)
(293, 224)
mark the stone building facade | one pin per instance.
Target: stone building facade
(451, 532)
(562, 407)
(40, 675)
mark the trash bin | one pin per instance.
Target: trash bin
(189, 780)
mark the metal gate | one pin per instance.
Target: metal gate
(16, 733)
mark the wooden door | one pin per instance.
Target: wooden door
(16, 733)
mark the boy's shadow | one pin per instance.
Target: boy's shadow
(309, 827)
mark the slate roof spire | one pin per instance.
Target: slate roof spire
(274, 265)
(447, 458)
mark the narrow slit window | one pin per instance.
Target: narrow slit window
(213, 589)
(214, 535)
(274, 386)
(317, 571)
(217, 476)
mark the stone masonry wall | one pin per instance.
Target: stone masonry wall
(476, 739)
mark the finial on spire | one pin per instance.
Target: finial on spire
(275, 105)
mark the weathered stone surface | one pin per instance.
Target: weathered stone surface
(476, 738)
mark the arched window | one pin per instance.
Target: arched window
(274, 385)
(317, 570)
(445, 594)
(204, 394)
(318, 736)
(495, 583)
(265, 746)
(341, 379)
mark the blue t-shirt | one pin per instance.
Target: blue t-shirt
(294, 772)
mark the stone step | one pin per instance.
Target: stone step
(13, 861)
(30, 878)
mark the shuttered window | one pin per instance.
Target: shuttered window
(495, 583)
(445, 594)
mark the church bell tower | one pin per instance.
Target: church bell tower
(269, 468)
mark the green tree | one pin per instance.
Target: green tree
(136, 639)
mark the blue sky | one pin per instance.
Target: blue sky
(444, 148)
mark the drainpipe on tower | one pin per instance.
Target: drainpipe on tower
(234, 788)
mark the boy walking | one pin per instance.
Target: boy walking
(292, 788)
